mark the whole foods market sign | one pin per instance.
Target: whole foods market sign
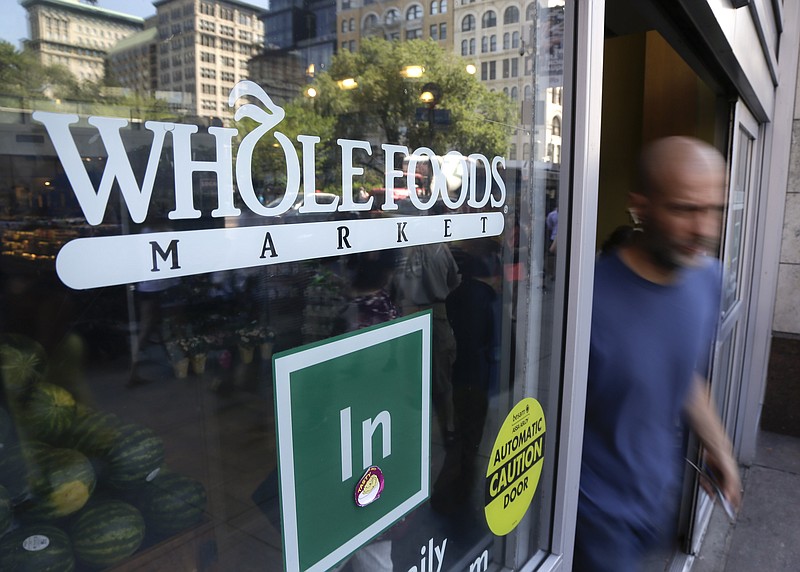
(110, 260)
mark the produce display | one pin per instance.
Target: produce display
(37, 548)
(107, 533)
(80, 489)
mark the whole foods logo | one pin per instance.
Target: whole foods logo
(110, 260)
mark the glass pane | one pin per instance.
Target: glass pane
(734, 240)
(291, 320)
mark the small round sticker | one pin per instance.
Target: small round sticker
(36, 543)
(369, 487)
(515, 466)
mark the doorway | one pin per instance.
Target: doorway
(654, 86)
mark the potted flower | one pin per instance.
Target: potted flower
(247, 337)
(178, 358)
(267, 343)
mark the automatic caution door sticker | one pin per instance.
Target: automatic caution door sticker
(515, 466)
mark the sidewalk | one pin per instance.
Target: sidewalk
(765, 534)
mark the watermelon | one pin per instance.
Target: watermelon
(59, 482)
(93, 433)
(23, 362)
(172, 502)
(6, 511)
(106, 533)
(36, 548)
(45, 411)
(135, 458)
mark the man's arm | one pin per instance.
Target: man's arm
(705, 422)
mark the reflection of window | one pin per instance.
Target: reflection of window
(506, 70)
(515, 40)
(464, 48)
(443, 7)
(434, 32)
(371, 21)
(514, 67)
(528, 93)
(414, 34)
(489, 19)
(392, 16)
(514, 94)
(526, 151)
(506, 41)
(472, 47)
(556, 126)
(352, 25)
(511, 15)
(512, 152)
(493, 43)
(344, 26)
(468, 23)
(443, 31)
(530, 11)
(414, 13)
(434, 7)
(484, 45)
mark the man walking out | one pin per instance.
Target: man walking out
(655, 312)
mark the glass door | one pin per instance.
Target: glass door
(736, 251)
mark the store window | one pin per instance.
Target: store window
(292, 333)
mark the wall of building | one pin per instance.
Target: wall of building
(787, 301)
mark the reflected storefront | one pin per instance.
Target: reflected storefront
(317, 334)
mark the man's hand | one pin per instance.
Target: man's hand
(705, 422)
(726, 473)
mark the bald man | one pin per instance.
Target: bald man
(655, 313)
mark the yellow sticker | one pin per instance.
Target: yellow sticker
(515, 466)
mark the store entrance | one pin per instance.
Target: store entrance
(653, 86)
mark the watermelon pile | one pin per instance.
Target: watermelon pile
(78, 487)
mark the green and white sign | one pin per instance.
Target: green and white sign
(341, 407)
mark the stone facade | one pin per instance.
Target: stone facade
(203, 50)
(75, 35)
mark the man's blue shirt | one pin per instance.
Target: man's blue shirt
(647, 342)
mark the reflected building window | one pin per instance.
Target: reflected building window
(414, 12)
(489, 19)
(468, 23)
(511, 15)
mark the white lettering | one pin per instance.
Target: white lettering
(349, 171)
(390, 173)
(501, 184)
(418, 153)
(481, 563)
(185, 166)
(267, 118)
(453, 163)
(346, 441)
(449, 174)
(473, 201)
(118, 168)
(368, 427)
(310, 204)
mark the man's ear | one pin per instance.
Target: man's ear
(638, 205)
